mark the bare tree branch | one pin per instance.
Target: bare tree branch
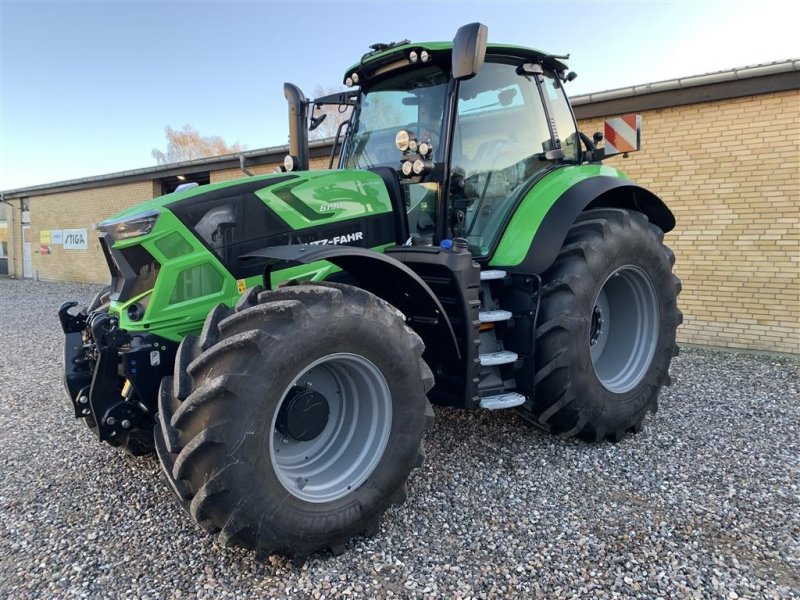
(336, 114)
(188, 144)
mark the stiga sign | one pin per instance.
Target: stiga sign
(75, 239)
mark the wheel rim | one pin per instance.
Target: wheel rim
(624, 329)
(347, 446)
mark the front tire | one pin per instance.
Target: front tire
(294, 420)
(607, 323)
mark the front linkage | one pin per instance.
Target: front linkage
(112, 376)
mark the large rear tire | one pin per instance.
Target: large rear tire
(294, 420)
(607, 323)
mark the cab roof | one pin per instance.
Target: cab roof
(385, 57)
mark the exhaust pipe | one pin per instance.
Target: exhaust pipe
(298, 125)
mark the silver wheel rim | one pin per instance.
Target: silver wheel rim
(624, 329)
(347, 450)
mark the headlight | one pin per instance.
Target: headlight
(128, 227)
(402, 140)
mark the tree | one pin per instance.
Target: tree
(187, 144)
(335, 114)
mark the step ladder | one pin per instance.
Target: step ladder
(490, 274)
(500, 401)
(494, 316)
(491, 361)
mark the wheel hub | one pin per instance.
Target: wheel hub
(331, 427)
(303, 415)
(597, 325)
(624, 329)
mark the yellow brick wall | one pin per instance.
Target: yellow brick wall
(730, 171)
(80, 210)
(230, 174)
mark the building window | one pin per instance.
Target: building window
(4, 218)
(170, 184)
(25, 206)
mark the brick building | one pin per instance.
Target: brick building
(723, 150)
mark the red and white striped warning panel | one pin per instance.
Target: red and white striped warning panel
(622, 134)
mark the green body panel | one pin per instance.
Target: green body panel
(528, 217)
(320, 197)
(328, 197)
(161, 201)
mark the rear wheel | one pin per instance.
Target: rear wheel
(294, 420)
(607, 323)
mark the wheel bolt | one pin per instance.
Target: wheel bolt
(285, 441)
(86, 411)
(126, 424)
(83, 400)
(110, 421)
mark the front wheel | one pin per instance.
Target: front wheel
(294, 420)
(607, 323)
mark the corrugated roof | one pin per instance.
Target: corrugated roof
(278, 151)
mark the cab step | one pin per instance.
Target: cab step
(503, 357)
(494, 316)
(500, 401)
(490, 274)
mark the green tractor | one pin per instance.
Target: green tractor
(279, 340)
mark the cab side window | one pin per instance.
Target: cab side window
(501, 134)
(562, 115)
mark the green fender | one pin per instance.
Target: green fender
(539, 225)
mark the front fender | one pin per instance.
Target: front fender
(383, 276)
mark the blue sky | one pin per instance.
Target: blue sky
(86, 88)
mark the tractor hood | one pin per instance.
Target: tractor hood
(302, 199)
(187, 249)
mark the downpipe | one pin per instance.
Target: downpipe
(298, 125)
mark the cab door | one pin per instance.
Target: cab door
(502, 142)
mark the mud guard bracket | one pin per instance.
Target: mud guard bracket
(383, 276)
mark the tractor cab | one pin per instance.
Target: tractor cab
(464, 142)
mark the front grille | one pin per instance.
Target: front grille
(133, 270)
(145, 269)
(116, 275)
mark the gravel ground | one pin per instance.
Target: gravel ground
(703, 503)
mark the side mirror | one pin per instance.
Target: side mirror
(469, 50)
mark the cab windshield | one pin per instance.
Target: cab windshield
(413, 101)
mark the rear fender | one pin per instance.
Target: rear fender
(383, 276)
(594, 192)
